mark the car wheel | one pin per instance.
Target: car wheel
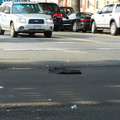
(1, 31)
(84, 30)
(48, 34)
(113, 29)
(94, 28)
(74, 27)
(12, 31)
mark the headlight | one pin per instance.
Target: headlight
(49, 20)
(21, 20)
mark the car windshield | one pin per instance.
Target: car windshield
(26, 8)
(50, 7)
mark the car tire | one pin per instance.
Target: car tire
(94, 28)
(12, 31)
(48, 34)
(84, 31)
(1, 31)
(113, 29)
(74, 27)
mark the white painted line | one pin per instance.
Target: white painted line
(75, 51)
(109, 48)
(32, 49)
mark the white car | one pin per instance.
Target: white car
(107, 18)
(24, 17)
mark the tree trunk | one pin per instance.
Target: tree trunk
(76, 5)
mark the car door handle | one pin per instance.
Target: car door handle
(110, 15)
(102, 15)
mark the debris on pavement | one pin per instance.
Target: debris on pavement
(63, 70)
(74, 107)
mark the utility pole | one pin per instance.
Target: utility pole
(76, 5)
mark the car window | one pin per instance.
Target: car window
(26, 8)
(117, 8)
(62, 10)
(83, 15)
(110, 8)
(6, 8)
(104, 10)
(66, 10)
(72, 15)
(50, 7)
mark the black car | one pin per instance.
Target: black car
(66, 10)
(53, 10)
(79, 21)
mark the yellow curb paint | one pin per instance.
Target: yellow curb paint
(79, 39)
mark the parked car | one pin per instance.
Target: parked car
(107, 18)
(53, 10)
(24, 17)
(79, 21)
(65, 10)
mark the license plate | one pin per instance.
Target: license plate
(37, 27)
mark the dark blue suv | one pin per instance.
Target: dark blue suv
(53, 10)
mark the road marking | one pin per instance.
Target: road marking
(79, 39)
(46, 49)
(38, 49)
(109, 48)
(74, 51)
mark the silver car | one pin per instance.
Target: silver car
(24, 17)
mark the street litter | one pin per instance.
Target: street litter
(74, 107)
(1, 87)
(63, 70)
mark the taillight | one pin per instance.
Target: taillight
(86, 20)
(57, 15)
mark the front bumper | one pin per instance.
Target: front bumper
(36, 28)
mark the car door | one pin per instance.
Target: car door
(68, 20)
(100, 17)
(5, 17)
(108, 15)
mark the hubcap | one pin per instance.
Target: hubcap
(74, 26)
(12, 30)
(112, 28)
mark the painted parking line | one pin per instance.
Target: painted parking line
(86, 40)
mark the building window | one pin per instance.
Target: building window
(88, 4)
(107, 1)
(97, 4)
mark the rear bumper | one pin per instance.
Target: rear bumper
(84, 26)
(57, 21)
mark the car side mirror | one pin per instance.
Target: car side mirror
(98, 11)
(67, 17)
(7, 11)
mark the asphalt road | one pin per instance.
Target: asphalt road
(29, 91)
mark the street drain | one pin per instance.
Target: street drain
(63, 70)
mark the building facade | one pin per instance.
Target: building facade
(85, 5)
(93, 5)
